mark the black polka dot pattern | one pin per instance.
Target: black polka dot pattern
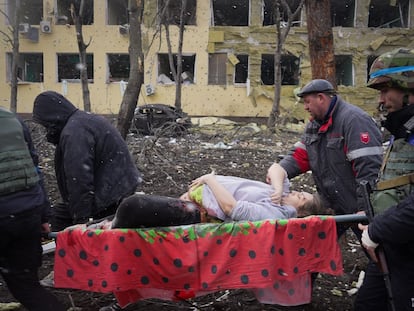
(276, 257)
(83, 255)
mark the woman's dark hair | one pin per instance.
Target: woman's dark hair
(314, 207)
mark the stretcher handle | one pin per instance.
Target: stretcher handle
(350, 218)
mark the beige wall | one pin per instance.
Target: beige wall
(199, 99)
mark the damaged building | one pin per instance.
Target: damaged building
(227, 60)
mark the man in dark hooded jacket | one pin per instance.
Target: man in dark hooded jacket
(24, 211)
(94, 168)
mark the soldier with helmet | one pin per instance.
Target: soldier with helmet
(392, 74)
(341, 145)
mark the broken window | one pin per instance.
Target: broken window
(69, 67)
(269, 12)
(344, 70)
(165, 75)
(118, 65)
(31, 11)
(388, 14)
(342, 13)
(230, 12)
(217, 63)
(63, 13)
(172, 13)
(241, 69)
(289, 66)
(117, 13)
(30, 67)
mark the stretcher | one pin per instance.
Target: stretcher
(273, 258)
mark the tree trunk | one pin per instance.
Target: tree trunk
(170, 52)
(136, 72)
(78, 20)
(176, 71)
(321, 44)
(180, 57)
(281, 35)
(274, 114)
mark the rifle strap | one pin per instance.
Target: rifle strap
(396, 182)
(386, 156)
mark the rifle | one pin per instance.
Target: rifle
(379, 251)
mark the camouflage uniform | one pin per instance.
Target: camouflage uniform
(393, 198)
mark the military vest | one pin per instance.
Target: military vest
(397, 176)
(17, 171)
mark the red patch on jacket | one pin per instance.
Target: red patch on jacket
(364, 137)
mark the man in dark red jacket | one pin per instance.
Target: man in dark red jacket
(94, 168)
(341, 145)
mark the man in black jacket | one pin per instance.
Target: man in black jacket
(392, 74)
(94, 168)
(24, 210)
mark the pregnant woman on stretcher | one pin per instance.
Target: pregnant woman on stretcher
(217, 198)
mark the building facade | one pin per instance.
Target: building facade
(228, 66)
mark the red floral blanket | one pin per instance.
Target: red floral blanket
(273, 258)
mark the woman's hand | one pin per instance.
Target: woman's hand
(202, 180)
(224, 198)
(276, 196)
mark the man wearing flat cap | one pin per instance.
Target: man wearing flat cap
(341, 146)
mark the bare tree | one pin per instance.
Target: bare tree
(13, 41)
(136, 72)
(180, 56)
(281, 35)
(176, 72)
(321, 44)
(78, 21)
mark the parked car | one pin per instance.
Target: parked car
(160, 119)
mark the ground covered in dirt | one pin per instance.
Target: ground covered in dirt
(168, 165)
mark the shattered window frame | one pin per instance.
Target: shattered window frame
(68, 67)
(174, 11)
(118, 67)
(165, 76)
(217, 69)
(241, 70)
(344, 69)
(343, 13)
(117, 12)
(268, 13)
(30, 67)
(230, 12)
(384, 15)
(290, 69)
(31, 11)
(63, 15)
